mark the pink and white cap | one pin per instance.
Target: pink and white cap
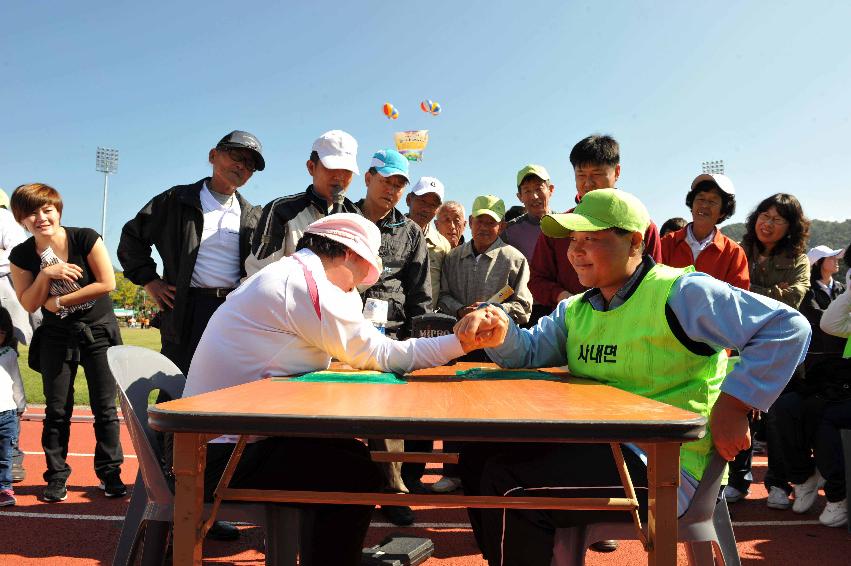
(356, 233)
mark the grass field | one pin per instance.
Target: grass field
(148, 338)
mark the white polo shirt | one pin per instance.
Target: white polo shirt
(217, 264)
(269, 327)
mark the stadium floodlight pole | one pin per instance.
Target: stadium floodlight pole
(713, 167)
(107, 163)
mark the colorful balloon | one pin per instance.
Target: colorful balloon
(390, 111)
(430, 106)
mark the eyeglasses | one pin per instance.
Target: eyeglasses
(244, 158)
(775, 220)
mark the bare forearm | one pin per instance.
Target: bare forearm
(88, 293)
(36, 294)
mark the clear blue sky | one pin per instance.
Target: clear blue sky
(764, 86)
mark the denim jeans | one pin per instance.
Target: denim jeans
(8, 432)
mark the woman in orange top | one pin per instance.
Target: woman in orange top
(712, 200)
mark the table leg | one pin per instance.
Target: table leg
(663, 478)
(190, 458)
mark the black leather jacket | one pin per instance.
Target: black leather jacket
(172, 223)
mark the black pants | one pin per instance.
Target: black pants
(828, 448)
(777, 474)
(312, 464)
(796, 421)
(451, 470)
(412, 472)
(199, 309)
(58, 381)
(525, 537)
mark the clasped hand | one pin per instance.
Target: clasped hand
(483, 328)
(63, 271)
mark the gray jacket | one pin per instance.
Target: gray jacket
(405, 282)
(466, 279)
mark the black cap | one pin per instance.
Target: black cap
(243, 140)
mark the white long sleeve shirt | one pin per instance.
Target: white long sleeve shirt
(269, 327)
(11, 385)
(836, 319)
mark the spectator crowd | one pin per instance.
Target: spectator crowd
(220, 255)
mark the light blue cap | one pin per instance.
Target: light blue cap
(390, 162)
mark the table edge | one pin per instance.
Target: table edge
(401, 427)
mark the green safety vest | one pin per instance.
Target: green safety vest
(633, 348)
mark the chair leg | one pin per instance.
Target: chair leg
(700, 553)
(282, 535)
(726, 537)
(132, 529)
(155, 542)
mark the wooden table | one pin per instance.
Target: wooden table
(433, 404)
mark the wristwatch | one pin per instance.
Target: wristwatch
(58, 304)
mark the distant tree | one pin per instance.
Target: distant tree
(126, 294)
(734, 231)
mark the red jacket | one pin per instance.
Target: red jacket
(723, 259)
(551, 272)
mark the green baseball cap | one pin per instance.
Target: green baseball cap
(490, 205)
(532, 169)
(599, 210)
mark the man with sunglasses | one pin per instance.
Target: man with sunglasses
(201, 233)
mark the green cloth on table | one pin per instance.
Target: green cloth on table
(489, 373)
(345, 377)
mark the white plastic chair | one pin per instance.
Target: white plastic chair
(147, 525)
(706, 522)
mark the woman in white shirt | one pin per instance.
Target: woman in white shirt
(292, 317)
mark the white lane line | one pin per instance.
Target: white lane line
(464, 526)
(61, 516)
(74, 454)
(773, 523)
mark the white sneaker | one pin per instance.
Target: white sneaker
(446, 485)
(731, 494)
(778, 498)
(835, 514)
(806, 493)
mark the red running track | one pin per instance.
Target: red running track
(85, 528)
